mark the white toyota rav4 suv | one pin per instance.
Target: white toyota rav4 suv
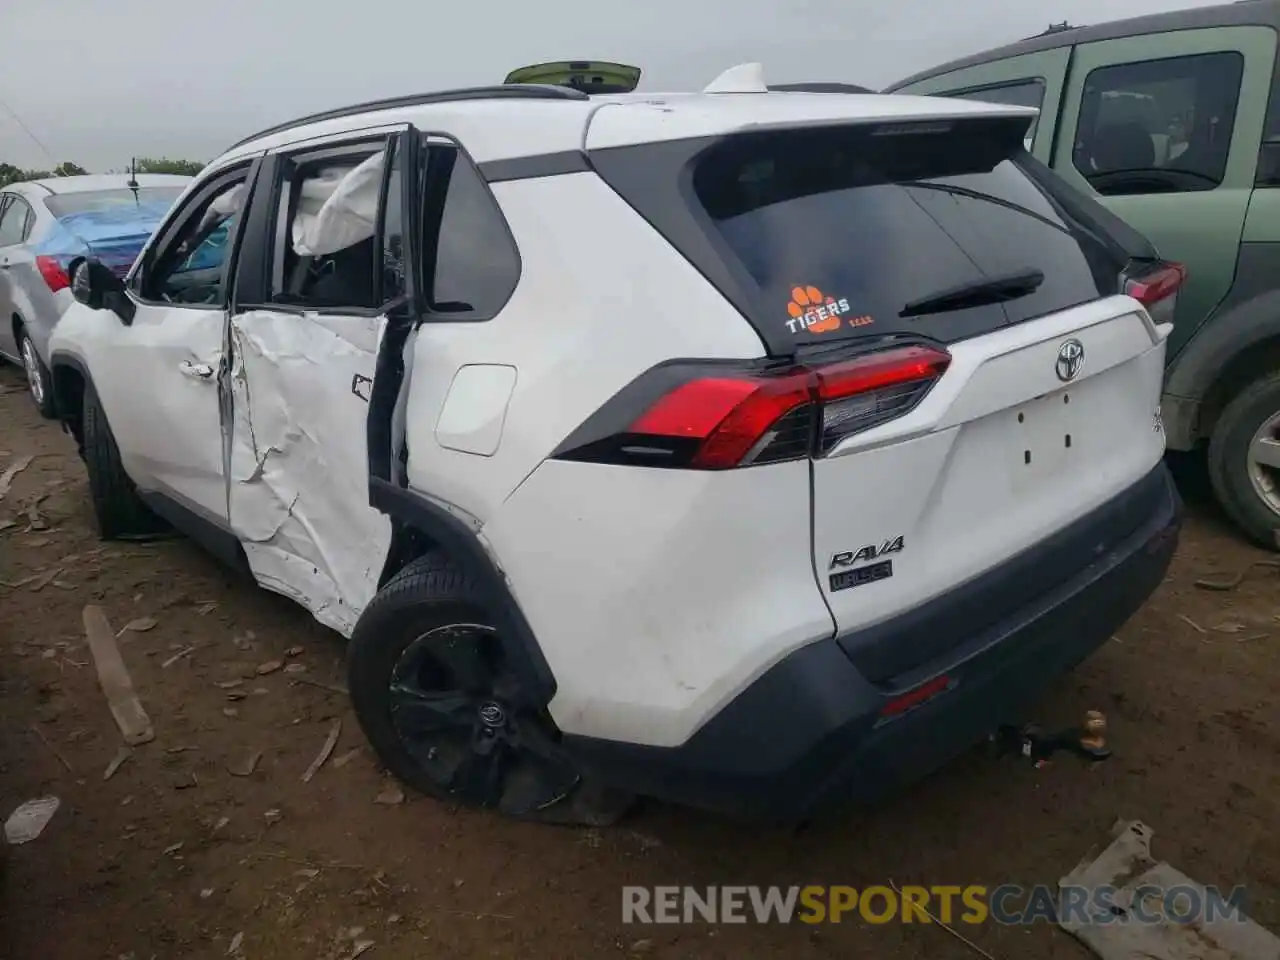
(754, 450)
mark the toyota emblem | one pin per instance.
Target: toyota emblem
(1070, 360)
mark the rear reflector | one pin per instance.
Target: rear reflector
(730, 419)
(1158, 285)
(913, 698)
(54, 276)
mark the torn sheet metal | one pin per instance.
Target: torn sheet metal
(338, 208)
(299, 495)
(1127, 867)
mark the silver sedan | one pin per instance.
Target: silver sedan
(43, 225)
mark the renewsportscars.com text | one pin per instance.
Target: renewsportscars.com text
(1009, 904)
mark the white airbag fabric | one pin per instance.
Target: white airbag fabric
(338, 208)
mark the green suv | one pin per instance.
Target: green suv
(1173, 121)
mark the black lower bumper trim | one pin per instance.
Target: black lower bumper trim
(810, 732)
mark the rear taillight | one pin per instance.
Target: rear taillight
(1157, 289)
(53, 274)
(716, 419)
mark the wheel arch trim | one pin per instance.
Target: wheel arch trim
(1210, 352)
(411, 511)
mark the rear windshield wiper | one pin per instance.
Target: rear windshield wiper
(1009, 286)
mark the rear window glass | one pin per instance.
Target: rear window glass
(843, 229)
(97, 201)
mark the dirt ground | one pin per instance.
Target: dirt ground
(184, 849)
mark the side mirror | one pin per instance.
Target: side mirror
(99, 289)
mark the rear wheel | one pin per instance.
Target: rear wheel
(1244, 461)
(39, 382)
(120, 512)
(445, 713)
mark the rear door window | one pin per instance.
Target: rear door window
(1158, 126)
(845, 230)
(13, 222)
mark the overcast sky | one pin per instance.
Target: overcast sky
(99, 81)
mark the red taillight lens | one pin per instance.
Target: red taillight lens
(53, 273)
(767, 418)
(1158, 285)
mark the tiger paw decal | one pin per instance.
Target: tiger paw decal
(814, 312)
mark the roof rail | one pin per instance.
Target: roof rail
(818, 87)
(523, 91)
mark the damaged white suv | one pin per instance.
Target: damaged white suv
(754, 450)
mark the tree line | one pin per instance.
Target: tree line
(188, 168)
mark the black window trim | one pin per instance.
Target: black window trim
(1271, 116)
(244, 171)
(287, 159)
(292, 153)
(1235, 113)
(29, 221)
(961, 92)
(428, 276)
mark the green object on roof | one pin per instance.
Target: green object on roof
(589, 76)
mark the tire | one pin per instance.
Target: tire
(120, 512)
(1235, 480)
(430, 620)
(39, 380)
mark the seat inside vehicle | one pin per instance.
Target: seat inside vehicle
(328, 260)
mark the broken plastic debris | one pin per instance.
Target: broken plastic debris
(1127, 864)
(29, 820)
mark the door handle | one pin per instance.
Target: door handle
(200, 371)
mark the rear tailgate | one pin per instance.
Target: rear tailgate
(1036, 400)
(942, 234)
(999, 455)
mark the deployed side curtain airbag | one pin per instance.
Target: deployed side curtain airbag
(338, 208)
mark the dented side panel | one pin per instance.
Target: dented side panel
(298, 471)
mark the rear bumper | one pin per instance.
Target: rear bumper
(810, 732)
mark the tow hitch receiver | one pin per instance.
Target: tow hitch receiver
(1087, 741)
